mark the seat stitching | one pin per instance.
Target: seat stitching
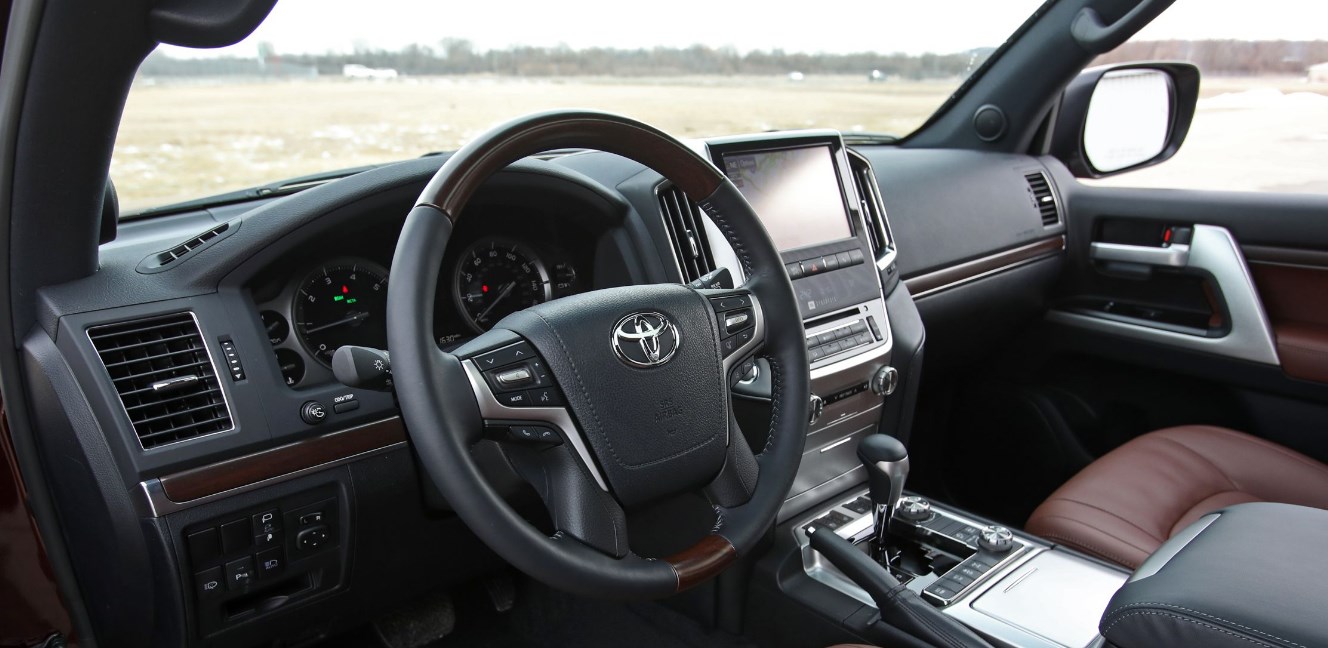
(1084, 546)
(1112, 514)
(1210, 616)
(1268, 445)
(1102, 531)
(1206, 460)
(1187, 620)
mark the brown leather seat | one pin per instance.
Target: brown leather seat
(1123, 506)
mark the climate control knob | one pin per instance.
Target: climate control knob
(996, 539)
(815, 408)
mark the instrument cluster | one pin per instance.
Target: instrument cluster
(507, 263)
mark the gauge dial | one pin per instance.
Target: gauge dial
(497, 277)
(276, 326)
(344, 302)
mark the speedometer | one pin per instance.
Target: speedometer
(344, 302)
(497, 277)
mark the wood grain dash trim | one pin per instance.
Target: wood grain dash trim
(702, 561)
(954, 275)
(308, 453)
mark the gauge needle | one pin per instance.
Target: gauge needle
(349, 319)
(501, 294)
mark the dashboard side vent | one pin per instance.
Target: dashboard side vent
(1043, 198)
(167, 258)
(164, 376)
(687, 233)
(869, 203)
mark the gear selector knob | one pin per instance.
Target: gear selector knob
(886, 461)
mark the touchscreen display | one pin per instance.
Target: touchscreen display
(795, 192)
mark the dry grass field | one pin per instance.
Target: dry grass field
(186, 140)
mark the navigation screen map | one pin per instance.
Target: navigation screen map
(795, 192)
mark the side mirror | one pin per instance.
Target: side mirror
(1118, 118)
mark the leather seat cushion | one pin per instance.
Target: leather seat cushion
(1123, 506)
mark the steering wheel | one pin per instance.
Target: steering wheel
(608, 400)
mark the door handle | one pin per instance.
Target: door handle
(1174, 256)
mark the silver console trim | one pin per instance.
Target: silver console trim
(1154, 563)
(1213, 250)
(490, 408)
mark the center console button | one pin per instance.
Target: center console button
(794, 270)
(236, 536)
(997, 539)
(914, 509)
(239, 573)
(204, 546)
(208, 582)
(270, 562)
(845, 259)
(267, 521)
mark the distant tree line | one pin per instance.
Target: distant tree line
(1227, 57)
(454, 56)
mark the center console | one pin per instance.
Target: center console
(821, 207)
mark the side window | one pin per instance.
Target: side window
(1261, 123)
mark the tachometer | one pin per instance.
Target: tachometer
(497, 277)
(344, 302)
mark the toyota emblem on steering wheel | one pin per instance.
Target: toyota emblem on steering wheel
(645, 339)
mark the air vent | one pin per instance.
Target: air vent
(869, 202)
(166, 259)
(687, 233)
(1043, 198)
(165, 378)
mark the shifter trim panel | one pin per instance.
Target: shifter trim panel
(1000, 633)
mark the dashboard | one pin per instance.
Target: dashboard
(236, 473)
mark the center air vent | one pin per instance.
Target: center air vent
(1039, 188)
(869, 202)
(164, 376)
(691, 248)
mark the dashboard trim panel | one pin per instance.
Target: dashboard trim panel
(955, 275)
(206, 483)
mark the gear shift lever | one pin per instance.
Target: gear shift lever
(886, 460)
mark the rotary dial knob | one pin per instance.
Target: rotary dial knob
(914, 508)
(996, 539)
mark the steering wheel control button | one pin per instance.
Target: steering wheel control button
(514, 399)
(239, 573)
(504, 356)
(235, 536)
(516, 377)
(730, 302)
(313, 412)
(209, 582)
(534, 434)
(544, 397)
(736, 321)
(996, 539)
(311, 539)
(270, 563)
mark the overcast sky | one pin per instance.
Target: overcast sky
(914, 26)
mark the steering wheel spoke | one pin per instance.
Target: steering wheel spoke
(740, 322)
(578, 507)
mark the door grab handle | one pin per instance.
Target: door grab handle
(1175, 256)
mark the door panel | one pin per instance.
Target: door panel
(1241, 304)
(1296, 298)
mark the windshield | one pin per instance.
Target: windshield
(331, 84)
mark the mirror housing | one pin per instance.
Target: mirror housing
(1074, 138)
